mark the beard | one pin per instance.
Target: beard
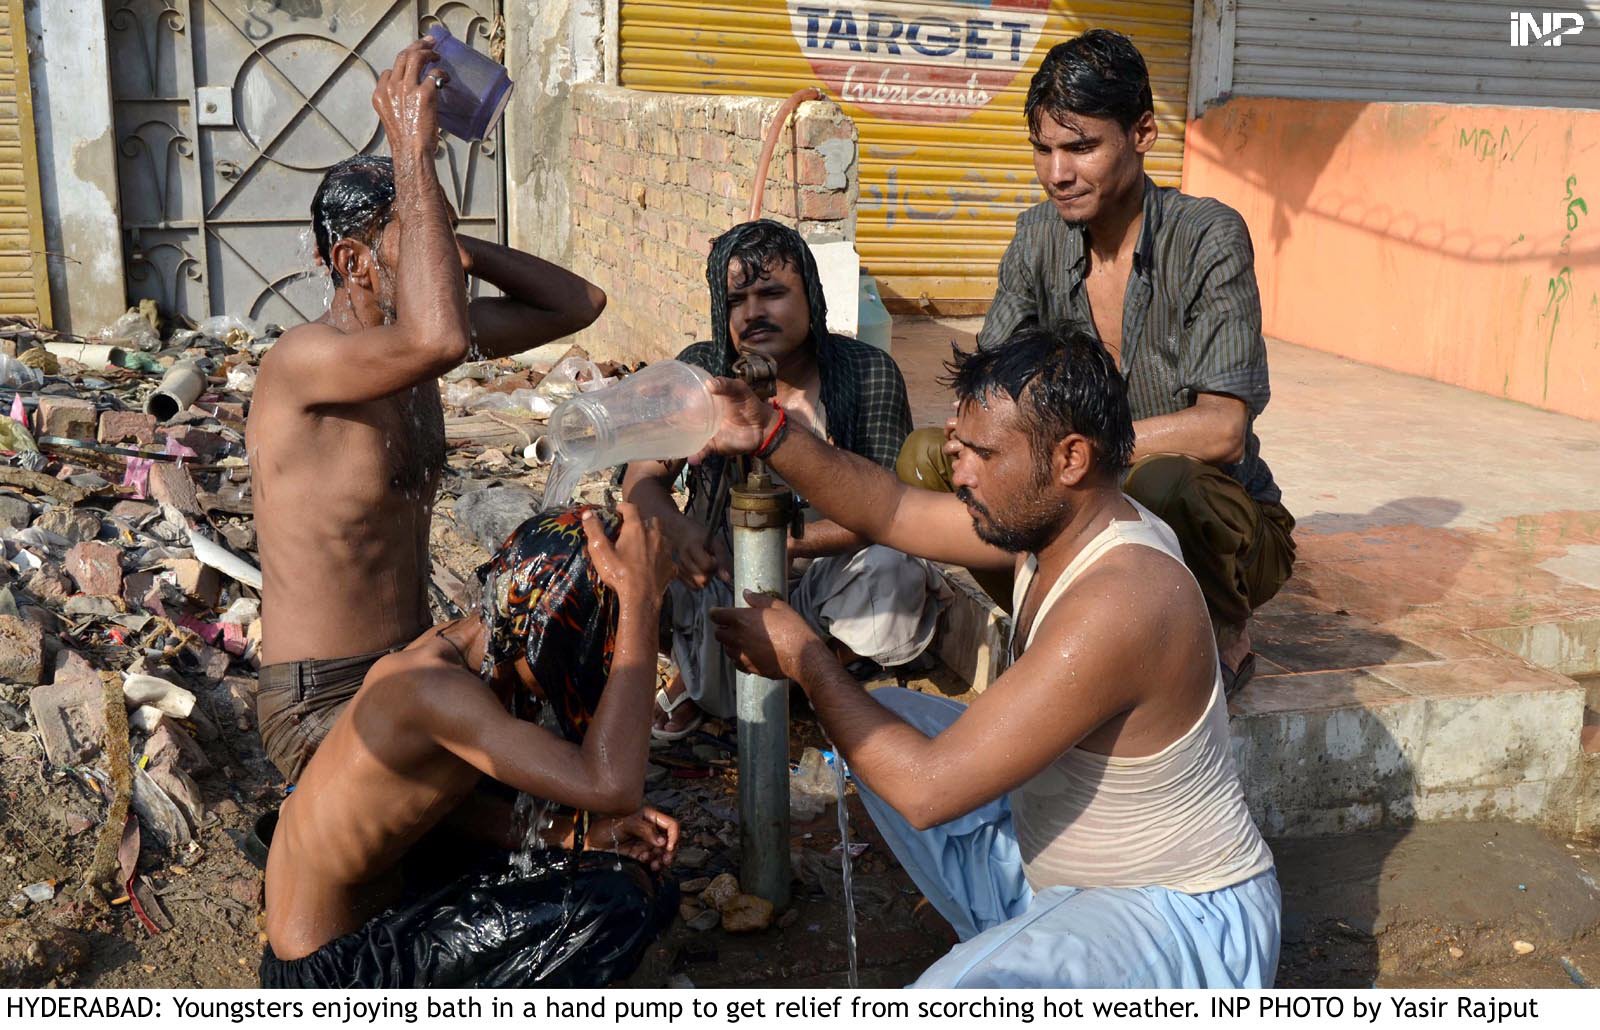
(1028, 530)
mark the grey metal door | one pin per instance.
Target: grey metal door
(227, 114)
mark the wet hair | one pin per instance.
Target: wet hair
(1063, 382)
(1099, 74)
(544, 602)
(759, 246)
(354, 201)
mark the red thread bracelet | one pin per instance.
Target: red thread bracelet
(783, 418)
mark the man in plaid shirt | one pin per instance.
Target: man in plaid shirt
(878, 606)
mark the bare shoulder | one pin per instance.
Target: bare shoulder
(1133, 596)
(430, 687)
(303, 343)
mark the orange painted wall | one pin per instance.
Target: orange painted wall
(1453, 242)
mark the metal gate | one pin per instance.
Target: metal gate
(227, 114)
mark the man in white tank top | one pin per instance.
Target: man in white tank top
(1081, 823)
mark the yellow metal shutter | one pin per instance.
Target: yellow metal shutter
(24, 288)
(936, 90)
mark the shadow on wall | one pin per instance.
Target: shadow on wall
(1285, 158)
(1222, 136)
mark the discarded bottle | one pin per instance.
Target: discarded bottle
(477, 91)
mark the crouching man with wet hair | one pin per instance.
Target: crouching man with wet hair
(1081, 823)
(548, 691)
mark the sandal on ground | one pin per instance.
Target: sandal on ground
(1234, 680)
(666, 704)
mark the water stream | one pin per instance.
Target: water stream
(563, 482)
(844, 867)
(533, 815)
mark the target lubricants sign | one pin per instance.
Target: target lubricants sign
(923, 62)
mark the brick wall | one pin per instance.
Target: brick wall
(656, 175)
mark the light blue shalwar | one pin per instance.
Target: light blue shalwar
(970, 869)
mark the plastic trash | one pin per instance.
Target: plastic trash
(663, 411)
(208, 552)
(223, 327)
(567, 378)
(477, 91)
(139, 362)
(92, 355)
(14, 436)
(40, 892)
(874, 325)
(15, 373)
(140, 689)
(132, 331)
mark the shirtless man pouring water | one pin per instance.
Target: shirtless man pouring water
(346, 433)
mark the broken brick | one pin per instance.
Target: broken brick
(171, 483)
(71, 417)
(206, 445)
(169, 741)
(118, 427)
(199, 583)
(21, 650)
(96, 568)
(71, 717)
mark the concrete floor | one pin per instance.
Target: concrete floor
(1423, 661)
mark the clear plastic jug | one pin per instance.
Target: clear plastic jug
(475, 96)
(663, 411)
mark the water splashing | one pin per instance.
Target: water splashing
(315, 271)
(564, 475)
(844, 867)
(533, 815)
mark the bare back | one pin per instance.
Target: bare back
(343, 501)
(376, 785)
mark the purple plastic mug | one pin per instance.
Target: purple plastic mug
(471, 102)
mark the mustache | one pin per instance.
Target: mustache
(964, 495)
(760, 324)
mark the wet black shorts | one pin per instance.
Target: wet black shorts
(583, 922)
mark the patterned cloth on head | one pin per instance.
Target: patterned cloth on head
(543, 602)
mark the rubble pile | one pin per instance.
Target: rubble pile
(129, 618)
(129, 637)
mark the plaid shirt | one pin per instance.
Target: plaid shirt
(1191, 320)
(863, 398)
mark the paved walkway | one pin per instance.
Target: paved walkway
(1422, 660)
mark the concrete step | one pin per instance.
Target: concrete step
(1358, 749)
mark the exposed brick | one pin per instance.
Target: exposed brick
(21, 651)
(828, 206)
(231, 412)
(127, 427)
(170, 483)
(199, 583)
(208, 445)
(95, 568)
(71, 417)
(813, 169)
(815, 130)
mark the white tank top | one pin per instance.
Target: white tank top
(1173, 819)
